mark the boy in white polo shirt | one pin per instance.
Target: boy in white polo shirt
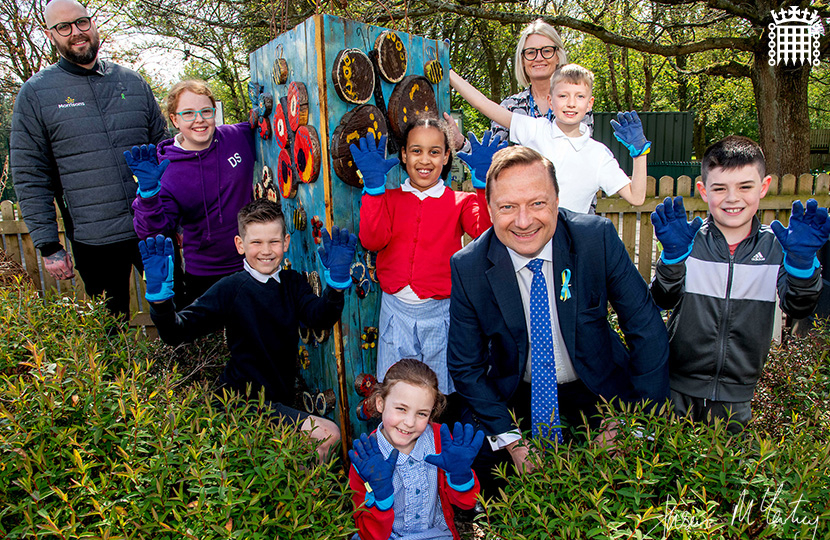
(583, 165)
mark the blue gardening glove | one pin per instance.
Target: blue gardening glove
(371, 163)
(336, 254)
(146, 168)
(673, 231)
(808, 231)
(481, 155)
(457, 454)
(629, 130)
(376, 471)
(157, 254)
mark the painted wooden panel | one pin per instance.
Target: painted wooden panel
(310, 50)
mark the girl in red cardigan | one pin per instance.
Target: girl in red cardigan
(416, 228)
(407, 475)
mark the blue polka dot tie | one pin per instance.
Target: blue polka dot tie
(544, 402)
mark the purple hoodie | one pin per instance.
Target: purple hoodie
(202, 192)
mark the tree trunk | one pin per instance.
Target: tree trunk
(783, 119)
(612, 76)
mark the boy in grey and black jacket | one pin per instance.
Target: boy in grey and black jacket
(720, 279)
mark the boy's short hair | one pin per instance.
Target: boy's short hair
(733, 152)
(260, 211)
(574, 74)
(516, 156)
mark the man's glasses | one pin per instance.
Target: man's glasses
(531, 52)
(188, 116)
(65, 28)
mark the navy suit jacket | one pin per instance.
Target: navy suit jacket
(488, 335)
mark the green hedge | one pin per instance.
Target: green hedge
(674, 479)
(96, 443)
(102, 437)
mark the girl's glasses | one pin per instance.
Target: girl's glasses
(65, 28)
(188, 116)
(531, 52)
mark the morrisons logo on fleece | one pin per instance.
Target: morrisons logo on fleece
(70, 102)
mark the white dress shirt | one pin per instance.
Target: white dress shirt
(565, 372)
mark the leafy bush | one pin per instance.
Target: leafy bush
(794, 383)
(672, 479)
(100, 438)
(675, 479)
(96, 444)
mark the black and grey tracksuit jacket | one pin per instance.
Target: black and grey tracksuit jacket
(723, 309)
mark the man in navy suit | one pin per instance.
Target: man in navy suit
(586, 266)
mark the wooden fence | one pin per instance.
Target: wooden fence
(633, 223)
(637, 232)
(18, 245)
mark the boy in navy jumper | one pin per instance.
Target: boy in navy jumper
(260, 308)
(720, 279)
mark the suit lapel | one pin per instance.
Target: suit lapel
(566, 310)
(505, 287)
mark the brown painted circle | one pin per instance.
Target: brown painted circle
(391, 56)
(353, 76)
(412, 98)
(354, 125)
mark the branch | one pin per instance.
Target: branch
(598, 31)
(732, 8)
(730, 69)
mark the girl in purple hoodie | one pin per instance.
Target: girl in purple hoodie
(203, 177)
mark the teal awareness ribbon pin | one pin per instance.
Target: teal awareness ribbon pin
(565, 292)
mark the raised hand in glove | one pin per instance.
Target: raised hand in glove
(807, 232)
(673, 231)
(146, 168)
(481, 155)
(368, 461)
(457, 454)
(370, 161)
(629, 131)
(157, 255)
(336, 254)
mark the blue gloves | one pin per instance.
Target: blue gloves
(157, 254)
(629, 131)
(808, 231)
(336, 254)
(481, 155)
(145, 166)
(371, 163)
(673, 231)
(368, 461)
(457, 455)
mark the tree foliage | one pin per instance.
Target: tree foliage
(707, 56)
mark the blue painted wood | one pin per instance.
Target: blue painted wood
(300, 49)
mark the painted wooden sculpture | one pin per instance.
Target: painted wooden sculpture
(332, 81)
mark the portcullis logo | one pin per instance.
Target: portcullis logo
(794, 37)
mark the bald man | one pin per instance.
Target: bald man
(72, 121)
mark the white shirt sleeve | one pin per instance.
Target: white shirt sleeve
(611, 177)
(525, 129)
(497, 442)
